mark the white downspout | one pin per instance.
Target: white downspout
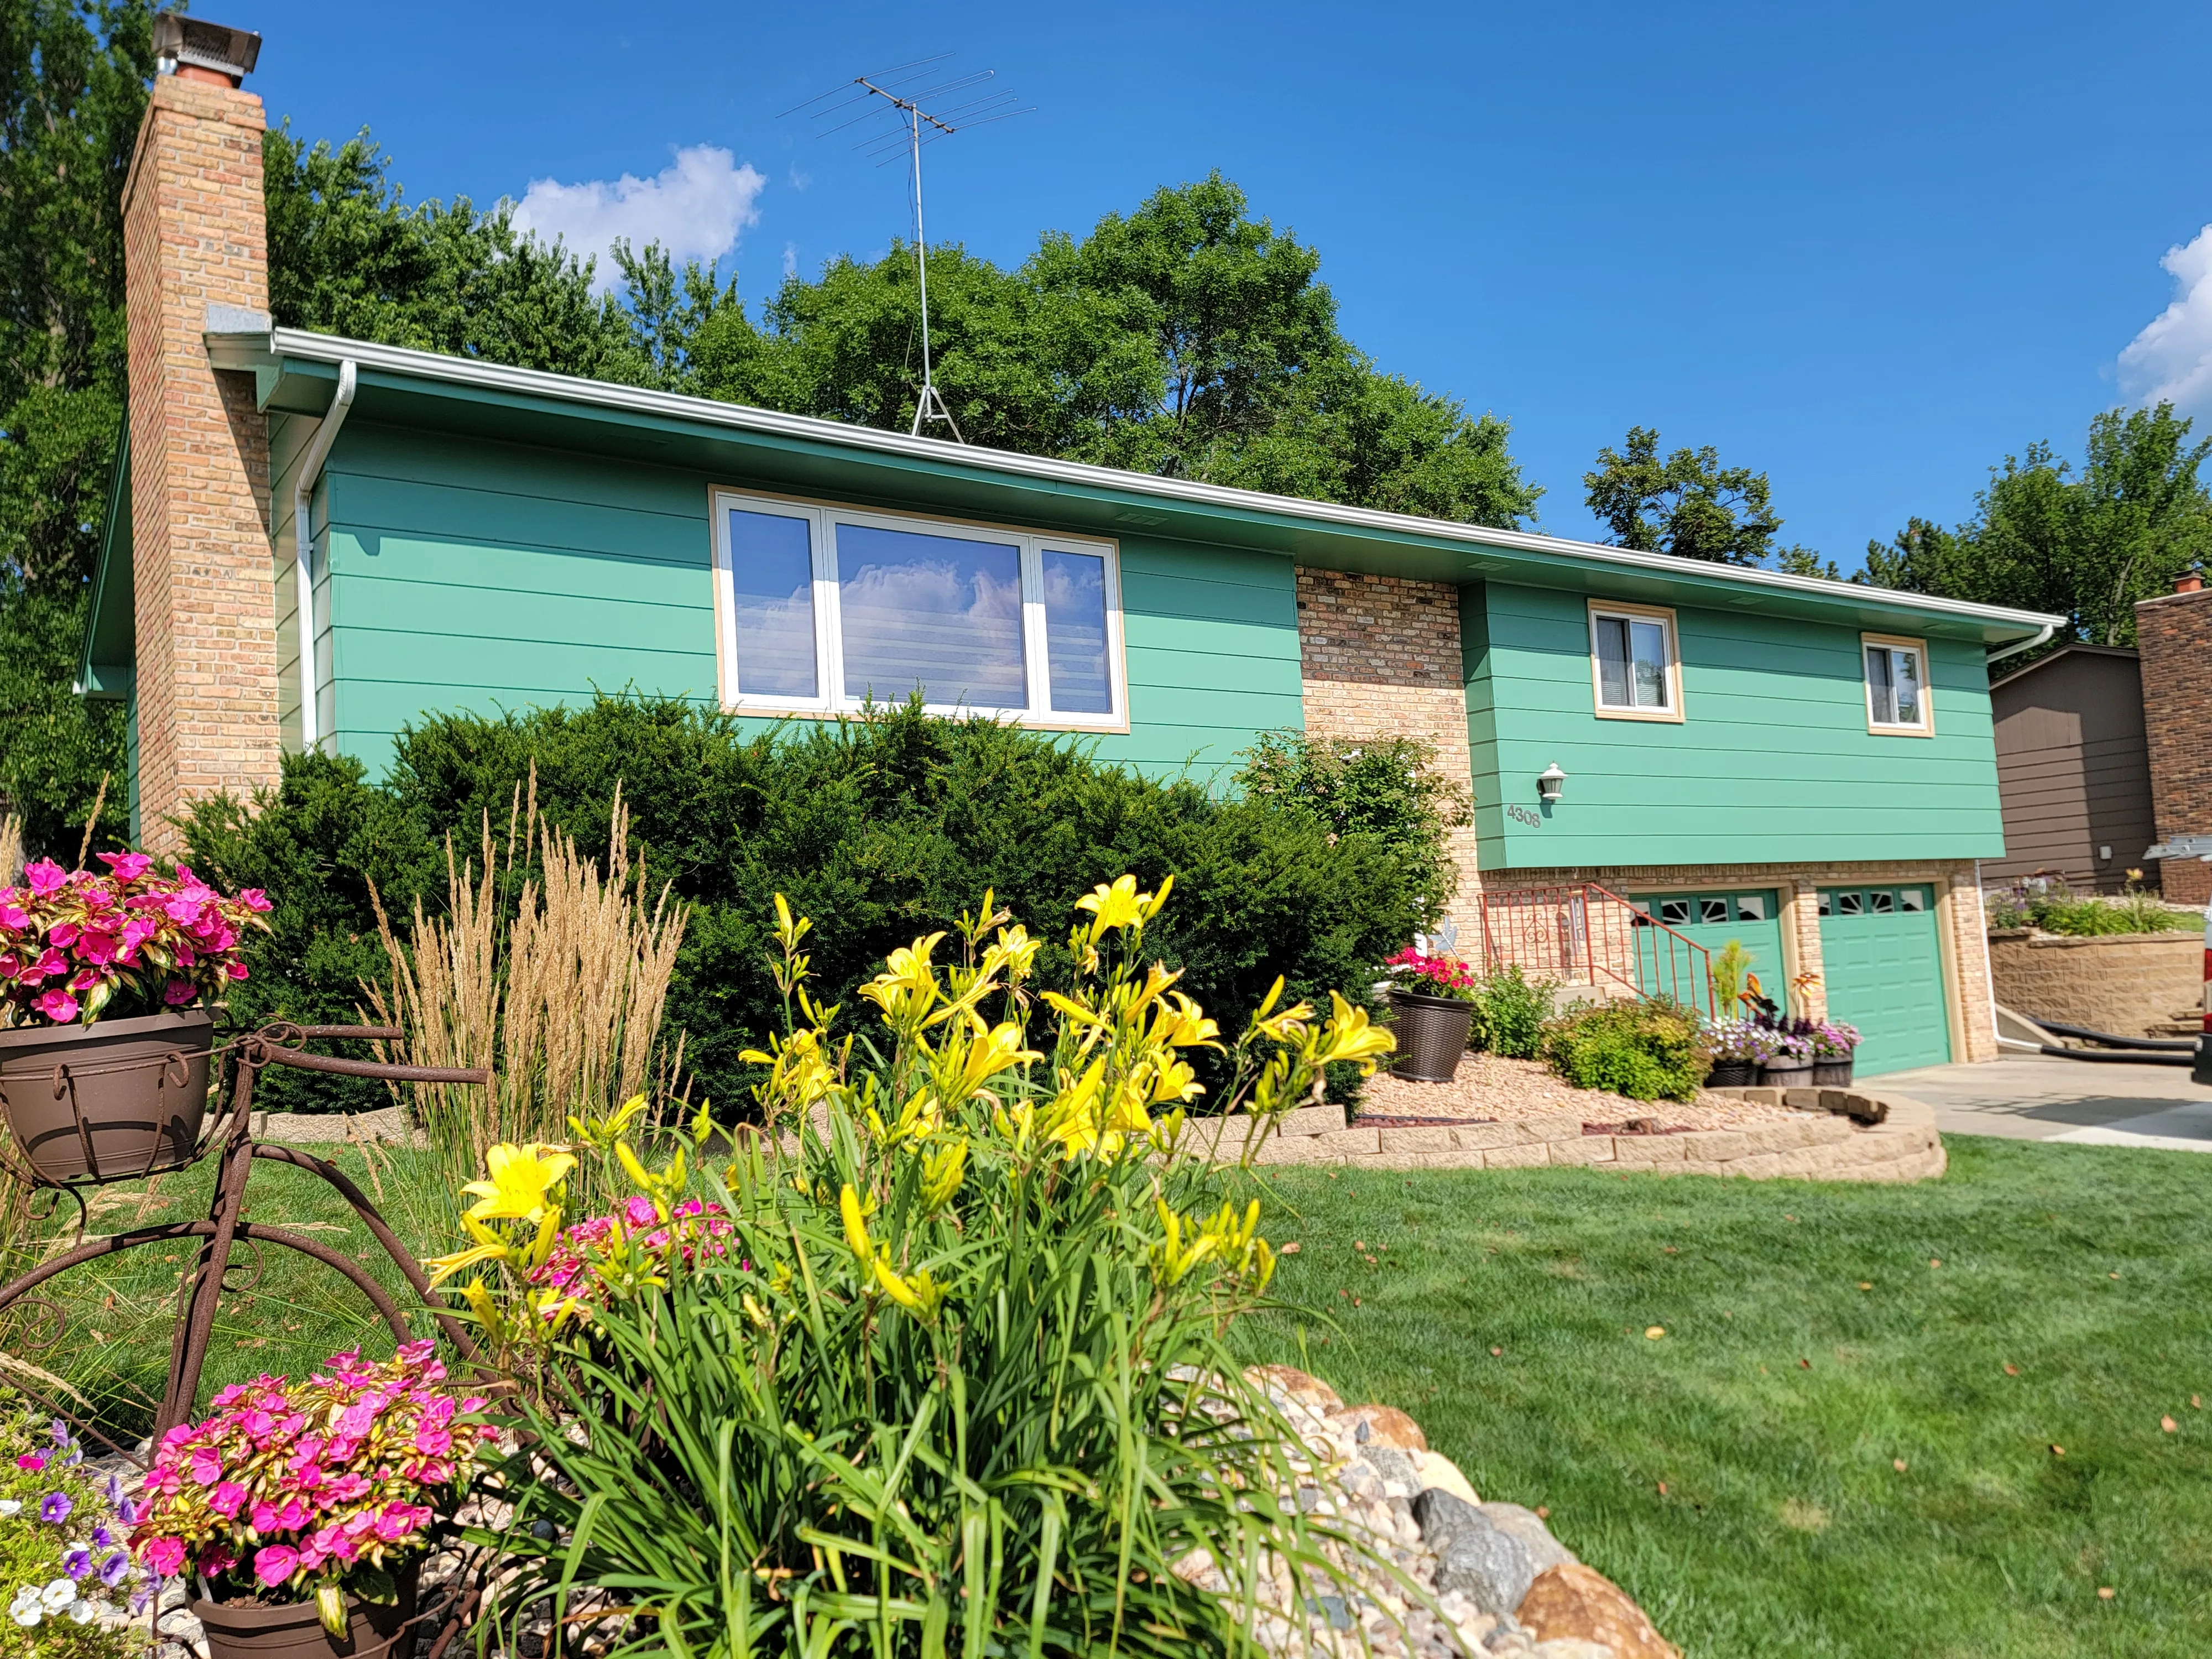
(2019, 646)
(303, 545)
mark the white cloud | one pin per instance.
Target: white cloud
(2171, 361)
(695, 208)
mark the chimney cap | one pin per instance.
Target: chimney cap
(2190, 581)
(202, 44)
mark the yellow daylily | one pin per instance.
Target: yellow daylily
(600, 1133)
(1351, 1036)
(917, 1291)
(965, 1067)
(908, 987)
(522, 1181)
(943, 1172)
(1119, 904)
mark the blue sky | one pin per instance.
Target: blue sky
(1870, 250)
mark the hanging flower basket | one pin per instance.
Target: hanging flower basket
(118, 1101)
(103, 979)
(294, 1630)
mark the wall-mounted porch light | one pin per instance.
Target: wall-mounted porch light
(1551, 783)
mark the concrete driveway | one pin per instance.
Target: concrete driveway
(2034, 1097)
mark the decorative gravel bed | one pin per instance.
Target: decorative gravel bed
(1491, 1089)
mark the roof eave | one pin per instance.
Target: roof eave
(1995, 624)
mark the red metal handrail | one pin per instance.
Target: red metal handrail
(1585, 933)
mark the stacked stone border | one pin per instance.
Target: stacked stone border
(1835, 1134)
(2131, 984)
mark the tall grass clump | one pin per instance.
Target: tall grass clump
(935, 1362)
(562, 999)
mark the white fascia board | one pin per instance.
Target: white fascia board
(707, 412)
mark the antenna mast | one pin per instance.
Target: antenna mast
(916, 127)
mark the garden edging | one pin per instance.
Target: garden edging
(1840, 1134)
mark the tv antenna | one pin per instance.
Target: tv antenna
(898, 93)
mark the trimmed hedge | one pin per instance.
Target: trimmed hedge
(1645, 1050)
(881, 829)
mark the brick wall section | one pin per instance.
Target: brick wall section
(194, 235)
(2174, 632)
(1380, 658)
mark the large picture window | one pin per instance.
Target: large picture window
(820, 609)
(1633, 666)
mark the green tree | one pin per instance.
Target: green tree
(348, 255)
(2085, 544)
(72, 89)
(1685, 503)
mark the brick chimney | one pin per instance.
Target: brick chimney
(194, 237)
(2174, 632)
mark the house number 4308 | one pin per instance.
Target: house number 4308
(1527, 815)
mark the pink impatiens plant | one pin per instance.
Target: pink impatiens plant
(75, 944)
(1430, 975)
(314, 1488)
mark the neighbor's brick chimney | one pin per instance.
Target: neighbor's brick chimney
(194, 235)
(2174, 632)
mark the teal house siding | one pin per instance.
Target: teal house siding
(1772, 763)
(457, 573)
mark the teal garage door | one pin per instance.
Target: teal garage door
(1712, 919)
(1885, 974)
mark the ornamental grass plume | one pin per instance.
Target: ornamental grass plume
(938, 1361)
(315, 1489)
(562, 993)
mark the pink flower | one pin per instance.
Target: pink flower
(127, 867)
(207, 1465)
(396, 1520)
(217, 1558)
(638, 1211)
(63, 934)
(226, 1499)
(59, 1006)
(45, 877)
(181, 991)
(274, 1563)
(254, 899)
(32, 1461)
(433, 1443)
(166, 1556)
(356, 1419)
(262, 1518)
(12, 917)
(236, 970)
(346, 1489)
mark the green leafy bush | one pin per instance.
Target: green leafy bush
(1645, 1050)
(1387, 787)
(889, 824)
(2055, 908)
(941, 1365)
(1510, 1012)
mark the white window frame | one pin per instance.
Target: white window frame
(1925, 726)
(829, 634)
(1672, 715)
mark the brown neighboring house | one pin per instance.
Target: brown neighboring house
(2073, 767)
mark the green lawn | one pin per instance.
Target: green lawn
(1773, 1410)
(1739, 1475)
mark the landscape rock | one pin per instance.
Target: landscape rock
(1491, 1568)
(1526, 1525)
(1289, 1383)
(1572, 1647)
(1438, 1470)
(1573, 1600)
(1382, 1425)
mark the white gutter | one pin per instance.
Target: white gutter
(2019, 646)
(303, 544)
(707, 412)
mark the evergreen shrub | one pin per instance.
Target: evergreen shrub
(883, 827)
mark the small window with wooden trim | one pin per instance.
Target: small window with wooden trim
(1636, 672)
(1897, 702)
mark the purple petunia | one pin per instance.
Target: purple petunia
(54, 1507)
(126, 1510)
(115, 1568)
(59, 1432)
(76, 1561)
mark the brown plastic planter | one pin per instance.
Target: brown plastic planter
(117, 1101)
(1432, 1033)
(1832, 1074)
(1799, 1076)
(293, 1630)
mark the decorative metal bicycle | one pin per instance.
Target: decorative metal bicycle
(229, 1136)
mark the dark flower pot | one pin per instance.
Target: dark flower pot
(1832, 1073)
(1432, 1033)
(294, 1630)
(1731, 1074)
(1796, 1075)
(117, 1101)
